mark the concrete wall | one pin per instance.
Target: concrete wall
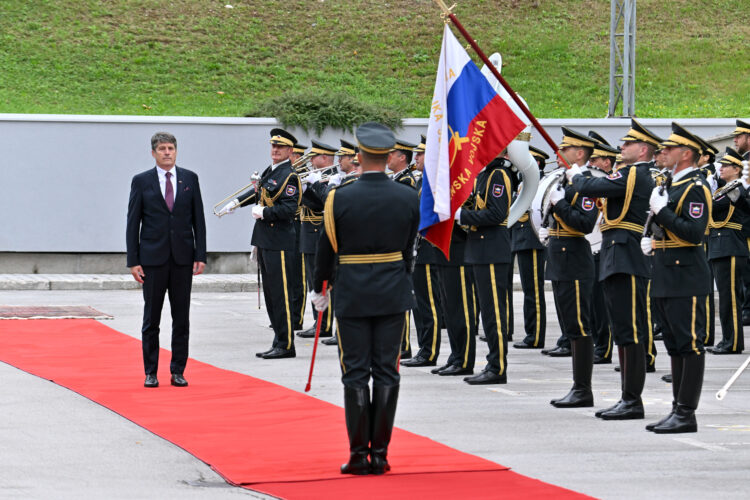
(65, 179)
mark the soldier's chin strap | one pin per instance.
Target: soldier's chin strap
(317, 336)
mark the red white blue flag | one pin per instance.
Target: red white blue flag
(470, 124)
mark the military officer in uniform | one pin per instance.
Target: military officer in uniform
(624, 271)
(681, 279)
(298, 280)
(570, 267)
(366, 250)
(728, 252)
(741, 135)
(531, 258)
(313, 198)
(488, 252)
(429, 310)
(274, 238)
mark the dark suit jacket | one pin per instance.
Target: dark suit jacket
(153, 233)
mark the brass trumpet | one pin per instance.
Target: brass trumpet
(325, 171)
(253, 184)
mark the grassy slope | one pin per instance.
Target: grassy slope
(196, 57)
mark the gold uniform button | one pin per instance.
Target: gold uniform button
(481, 236)
(563, 249)
(272, 224)
(677, 262)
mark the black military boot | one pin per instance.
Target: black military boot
(633, 377)
(384, 399)
(621, 357)
(357, 411)
(691, 383)
(580, 395)
(676, 378)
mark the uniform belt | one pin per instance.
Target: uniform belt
(370, 258)
(630, 226)
(563, 233)
(316, 219)
(673, 244)
(732, 225)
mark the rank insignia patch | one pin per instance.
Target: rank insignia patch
(614, 175)
(696, 210)
(497, 190)
(290, 190)
(588, 204)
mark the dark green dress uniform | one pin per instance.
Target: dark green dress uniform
(728, 254)
(680, 282)
(456, 284)
(274, 237)
(428, 313)
(488, 252)
(366, 250)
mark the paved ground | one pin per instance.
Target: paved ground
(56, 444)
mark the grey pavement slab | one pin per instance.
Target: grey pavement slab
(57, 444)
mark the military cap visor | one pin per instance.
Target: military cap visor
(571, 138)
(422, 146)
(682, 138)
(375, 138)
(538, 153)
(598, 138)
(732, 157)
(320, 148)
(346, 149)
(299, 148)
(282, 137)
(604, 151)
(707, 148)
(403, 146)
(742, 128)
(639, 133)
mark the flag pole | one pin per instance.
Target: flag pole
(450, 15)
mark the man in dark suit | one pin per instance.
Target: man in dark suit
(166, 245)
(367, 247)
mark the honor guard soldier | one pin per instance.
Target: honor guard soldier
(274, 236)
(727, 249)
(741, 135)
(681, 279)
(298, 280)
(399, 159)
(570, 267)
(428, 313)
(367, 251)
(313, 198)
(488, 252)
(624, 271)
(531, 259)
(603, 161)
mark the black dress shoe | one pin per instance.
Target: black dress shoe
(485, 378)
(270, 326)
(746, 319)
(617, 368)
(667, 378)
(627, 410)
(418, 361)
(483, 338)
(151, 381)
(406, 354)
(455, 370)
(309, 333)
(178, 380)
(331, 341)
(279, 353)
(681, 420)
(261, 354)
(602, 360)
(722, 350)
(650, 368)
(658, 336)
(560, 352)
(650, 427)
(436, 371)
(524, 345)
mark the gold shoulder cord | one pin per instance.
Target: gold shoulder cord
(629, 188)
(679, 241)
(267, 201)
(481, 203)
(330, 222)
(567, 230)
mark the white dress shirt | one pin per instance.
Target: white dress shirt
(163, 181)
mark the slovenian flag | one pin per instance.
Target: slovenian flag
(470, 124)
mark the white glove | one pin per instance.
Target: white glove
(229, 207)
(734, 195)
(712, 182)
(313, 177)
(543, 235)
(745, 174)
(334, 180)
(556, 195)
(646, 246)
(572, 172)
(258, 211)
(658, 200)
(319, 300)
(457, 215)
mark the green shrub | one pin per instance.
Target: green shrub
(317, 111)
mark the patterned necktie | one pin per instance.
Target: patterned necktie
(169, 192)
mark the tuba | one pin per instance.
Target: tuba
(518, 152)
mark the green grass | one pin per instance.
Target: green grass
(196, 57)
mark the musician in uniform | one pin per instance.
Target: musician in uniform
(366, 251)
(313, 198)
(298, 281)
(681, 278)
(624, 271)
(727, 250)
(570, 267)
(429, 310)
(741, 135)
(602, 163)
(531, 259)
(274, 239)
(488, 252)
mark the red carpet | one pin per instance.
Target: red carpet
(252, 432)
